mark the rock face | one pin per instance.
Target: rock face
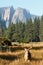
(20, 15)
(9, 15)
(6, 14)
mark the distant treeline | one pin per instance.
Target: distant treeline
(24, 32)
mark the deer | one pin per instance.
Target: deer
(27, 55)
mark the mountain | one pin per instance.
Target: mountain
(10, 15)
(21, 14)
(6, 14)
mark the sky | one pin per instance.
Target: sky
(33, 6)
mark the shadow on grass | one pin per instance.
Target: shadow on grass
(36, 59)
(36, 48)
(9, 57)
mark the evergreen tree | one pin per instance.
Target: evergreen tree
(29, 31)
(18, 36)
(41, 28)
(0, 29)
(36, 29)
(9, 32)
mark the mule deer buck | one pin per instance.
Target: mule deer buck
(27, 55)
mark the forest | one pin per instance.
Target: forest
(24, 31)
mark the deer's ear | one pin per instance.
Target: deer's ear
(25, 49)
(31, 46)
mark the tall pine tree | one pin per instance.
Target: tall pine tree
(41, 28)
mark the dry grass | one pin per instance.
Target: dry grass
(22, 62)
(17, 57)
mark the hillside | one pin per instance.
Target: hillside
(11, 15)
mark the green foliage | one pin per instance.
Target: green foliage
(28, 30)
(41, 29)
(1, 29)
(25, 32)
(36, 28)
